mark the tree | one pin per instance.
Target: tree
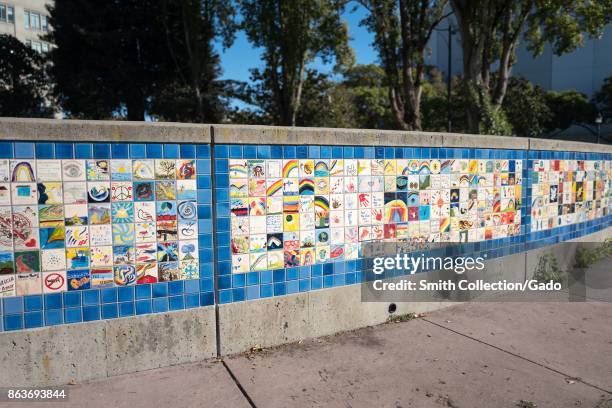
(292, 35)
(526, 108)
(490, 31)
(107, 56)
(192, 92)
(434, 104)
(402, 29)
(603, 98)
(568, 108)
(23, 81)
(359, 100)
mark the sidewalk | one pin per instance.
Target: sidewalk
(471, 355)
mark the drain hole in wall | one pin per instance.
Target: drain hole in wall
(392, 308)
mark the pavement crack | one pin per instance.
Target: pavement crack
(565, 375)
(238, 384)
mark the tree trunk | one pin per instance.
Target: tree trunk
(135, 107)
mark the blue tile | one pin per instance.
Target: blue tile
(33, 319)
(143, 307)
(160, 289)
(109, 295)
(154, 151)
(6, 150)
(222, 151)
(91, 297)
(235, 151)
(110, 311)
(207, 299)
(143, 291)
(289, 152)
(264, 152)
(126, 309)
(126, 294)
(91, 313)
(160, 305)
(238, 294)
(82, 151)
(72, 299)
(176, 303)
(12, 305)
(266, 291)
(45, 151)
(53, 301)
(192, 300)
(301, 152)
(252, 292)
(138, 151)
(53, 317)
(64, 151)
(192, 286)
(175, 288)
(120, 150)
(188, 151)
(314, 152)
(250, 152)
(24, 150)
(203, 151)
(33, 303)
(101, 151)
(171, 151)
(73, 315)
(13, 322)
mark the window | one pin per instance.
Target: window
(38, 46)
(7, 14)
(35, 21)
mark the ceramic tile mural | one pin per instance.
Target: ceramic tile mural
(93, 231)
(297, 212)
(566, 192)
(84, 223)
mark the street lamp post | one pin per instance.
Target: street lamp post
(449, 108)
(598, 122)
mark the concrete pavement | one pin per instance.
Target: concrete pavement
(471, 355)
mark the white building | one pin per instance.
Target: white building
(583, 69)
(27, 20)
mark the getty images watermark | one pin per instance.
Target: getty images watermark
(409, 264)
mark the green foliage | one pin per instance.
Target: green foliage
(402, 30)
(548, 270)
(569, 107)
(129, 58)
(367, 98)
(23, 81)
(191, 91)
(107, 56)
(292, 34)
(585, 257)
(603, 98)
(526, 108)
(490, 33)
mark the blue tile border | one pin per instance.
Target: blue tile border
(25, 312)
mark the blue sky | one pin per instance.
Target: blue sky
(241, 56)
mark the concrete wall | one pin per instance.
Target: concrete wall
(78, 352)
(271, 322)
(62, 354)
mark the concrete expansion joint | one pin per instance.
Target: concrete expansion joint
(513, 354)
